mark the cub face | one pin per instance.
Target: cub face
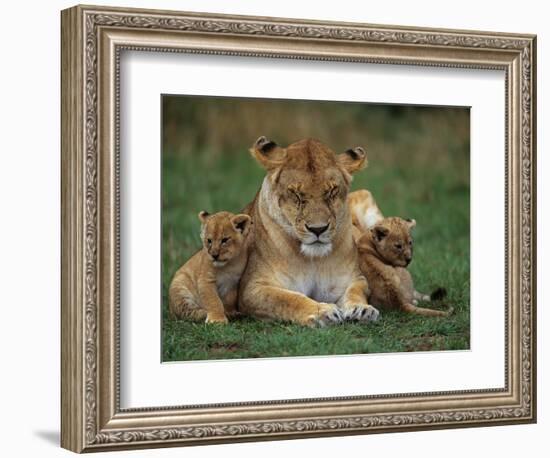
(393, 240)
(223, 235)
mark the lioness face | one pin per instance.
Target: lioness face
(393, 240)
(308, 185)
(223, 235)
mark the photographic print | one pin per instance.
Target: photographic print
(306, 228)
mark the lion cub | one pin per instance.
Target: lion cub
(364, 210)
(205, 287)
(385, 251)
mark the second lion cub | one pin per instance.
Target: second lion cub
(385, 251)
(206, 286)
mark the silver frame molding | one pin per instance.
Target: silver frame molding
(92, 40)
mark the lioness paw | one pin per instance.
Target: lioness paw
(328, 314)
(361, 312)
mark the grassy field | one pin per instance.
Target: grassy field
(426, 177)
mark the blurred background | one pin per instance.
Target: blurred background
(220, 126)
(418, 167)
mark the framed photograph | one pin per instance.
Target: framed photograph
(277, 228)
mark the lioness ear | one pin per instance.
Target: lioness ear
(353, 159)
(380, 232)
(268, 153)
(203, 215)
(411, 222)
(241, 223)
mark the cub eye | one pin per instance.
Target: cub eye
(410, 242)
(225, 240)
(398, 246)
(209, 241)
(332, 193)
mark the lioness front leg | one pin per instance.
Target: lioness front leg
(354, 302)
(273, 302)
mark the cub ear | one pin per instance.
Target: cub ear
(353, 159)
(241, 223)
(411, 222)
(363, 241)
(268, 153)
(203, 215)
(380, 232)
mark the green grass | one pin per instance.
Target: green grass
(437, 197)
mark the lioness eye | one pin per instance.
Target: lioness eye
(296, 196)
(225, 240)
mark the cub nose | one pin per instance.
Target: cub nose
(317, 229)
(215, 256)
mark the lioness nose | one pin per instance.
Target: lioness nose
(318, 229)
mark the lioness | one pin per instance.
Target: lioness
(385, 251)
(303, 267)
(206, 286)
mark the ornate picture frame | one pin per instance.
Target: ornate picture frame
(92, 41)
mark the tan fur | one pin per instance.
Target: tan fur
(294, 273)
(206, 288)
(385, 251)
(364, 210)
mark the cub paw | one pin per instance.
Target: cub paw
(361, 312)
(219, 319)
(328, 314)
